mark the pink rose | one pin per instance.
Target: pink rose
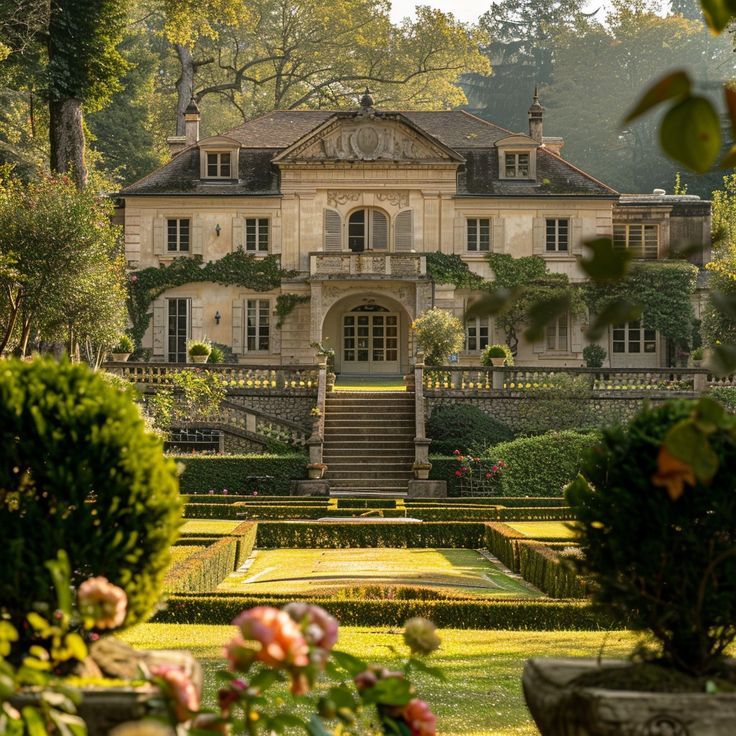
(282, 643)
(419, 718)
(456, 452)
(458, 473)
(318, 627)
(180, 689)
(495, 468)
(103, 603)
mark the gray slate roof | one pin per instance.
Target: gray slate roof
(473, 138)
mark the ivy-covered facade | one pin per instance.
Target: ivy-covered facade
(340, 228)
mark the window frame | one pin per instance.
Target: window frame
(517, 166)
(178, 250)
(639, 251)
(478, 220)
(633, 333)
(478, 324)
(262, 308)
(556, 250)
(218, 150)
(555, 325)
(367, 236)
(258, 222)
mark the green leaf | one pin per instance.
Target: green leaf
(38, 622)
(342, 697)
(542, 312)
(729, 94)
(265, 678)
(315, 727)
(615, 312)
(722, 360)
(68, 724)
(493, 303)
(606, 263)
(724, 303)
(352, 665)
(60, 575)
(717, 14)
(34, 721)
(389, 691)
(675, 84)
(705, 462)
(709, 415)
(691, 133)
(75, 644)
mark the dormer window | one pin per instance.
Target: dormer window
(516, 165)
(218, 165)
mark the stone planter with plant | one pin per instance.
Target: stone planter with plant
(697, 356)
(497, 356)
(121, 352)
(656, 517)
(199, 350)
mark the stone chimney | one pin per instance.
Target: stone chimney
(554, 144)
(536, 113)
(191, 123)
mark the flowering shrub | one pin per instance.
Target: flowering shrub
(478, 476)
(294, 645)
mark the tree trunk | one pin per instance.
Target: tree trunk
(66, 131)
(184, 85)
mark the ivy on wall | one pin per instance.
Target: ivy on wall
(234, 269)
(285, 305)
(663, 289)
(443, 268)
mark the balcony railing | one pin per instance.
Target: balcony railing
(368, 264)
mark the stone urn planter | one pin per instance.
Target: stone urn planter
(199, 359)
(120, 357)
(498, 362)
(560, 707)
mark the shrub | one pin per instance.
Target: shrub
(439, 334)
(198, 347)
(219, 472)
(217, 355)
(124, 344)
(698, 353)
(79, 473)
(496, 351)
(203, 571)
(594, 355)
(547, 570)
(726, 395)
(543, 465)
(656, 511)
(456, 427)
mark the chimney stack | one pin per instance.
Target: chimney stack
(191, 123)
(536, 113)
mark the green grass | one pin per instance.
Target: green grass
(482, 694)
(209, 526)
(543, 529)
(302, 571)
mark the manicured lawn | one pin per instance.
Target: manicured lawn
(299, 571)
(543, 529)
(209, 526)
(482, 695)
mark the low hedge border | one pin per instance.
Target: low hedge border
(244, 535)
(501, 541)
(286, 534)
(540, 615)
(204, 570)
(543, 567)
(219, 472)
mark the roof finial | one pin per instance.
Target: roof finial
(367, 101)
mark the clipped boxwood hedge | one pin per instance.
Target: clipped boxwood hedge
(204, 571)
(542, 465)
(457, 427)
(286, 534)
(526, 614)
(542, 566)
(204, 472)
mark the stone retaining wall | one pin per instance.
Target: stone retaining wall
(295, 407)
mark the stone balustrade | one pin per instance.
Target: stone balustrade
(368, 264)
(234, 376)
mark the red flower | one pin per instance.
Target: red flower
(495, 468)
(488, 475)
(456, 452)
(458, 473)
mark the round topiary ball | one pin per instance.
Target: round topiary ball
(79, 473)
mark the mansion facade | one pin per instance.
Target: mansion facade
(352, 202)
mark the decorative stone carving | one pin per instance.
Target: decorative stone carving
(396, 199)
(337, 198)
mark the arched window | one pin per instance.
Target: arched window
(367, 228)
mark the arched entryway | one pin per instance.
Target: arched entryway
(370, 335)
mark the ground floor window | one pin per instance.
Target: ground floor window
(632, 337)
(177, 329)
(257, 327)
(477, 334)
(558, 334)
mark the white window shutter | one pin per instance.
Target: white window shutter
(576, 333)
(498, 235)
(197, 319)
(159, 328)
(159, 246)
(379, 230)
(238, 234)
(576, 233)
(197, 237)
(237, 345)
(538, 236)
(404, 231)
(333, 231)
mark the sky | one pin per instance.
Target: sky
(465, 10)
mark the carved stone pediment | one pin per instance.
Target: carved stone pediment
(367, 139)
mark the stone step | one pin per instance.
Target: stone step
(356, 470)
(339, 492)
(368, 485)
(368, 421)
(350, 454)
(341, 411)
(349, 433)
(336, 395)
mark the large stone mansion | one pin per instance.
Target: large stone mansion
(353, 201)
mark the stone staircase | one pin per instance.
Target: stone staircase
(369, 442)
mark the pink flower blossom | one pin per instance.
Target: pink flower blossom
(419, 718)
(456, 452)
(180, 688)
(488, 475)
(458, 473)
(318, 628)
(103, 603)
(495, 468)
(282, 643)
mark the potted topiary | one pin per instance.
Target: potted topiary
(199, 350)
(594, 355)
(697, 356)
(121, 352)
(496, 355)
(656, 518)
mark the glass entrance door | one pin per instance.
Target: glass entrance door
(177, 329)
(370, 343)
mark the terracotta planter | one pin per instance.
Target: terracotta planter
(120, 357)
(498, 362)
(562, 708)
(199, 359)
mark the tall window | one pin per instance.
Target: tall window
(479, 234)
(256, 234)
(631, 337)
(516, 165)
(642, 239)
(257, 328)
(557, 235)
(477, 334)
(177, 329)
(177, 236)
(218, 165)
(557, 334)
(367, 228)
